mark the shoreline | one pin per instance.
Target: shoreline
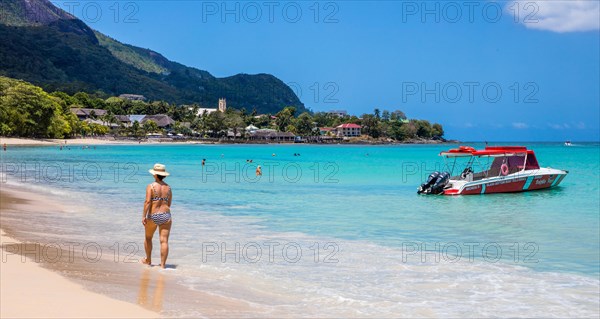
(13, 141)
(25, 281)
(77, 142)
(54, 296)
(73, 287)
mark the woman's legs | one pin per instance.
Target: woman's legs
(150, 229)
(164, 231)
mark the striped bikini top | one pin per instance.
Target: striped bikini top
(156, 198)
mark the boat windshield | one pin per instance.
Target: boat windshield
(459, 167)
(473, 168)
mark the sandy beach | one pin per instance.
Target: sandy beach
(29, 291)
(12, 141)
(63, 288)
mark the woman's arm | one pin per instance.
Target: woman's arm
(147, 204)
(170, 196)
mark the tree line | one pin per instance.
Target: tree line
(28, 111)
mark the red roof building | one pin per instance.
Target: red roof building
(348, 130)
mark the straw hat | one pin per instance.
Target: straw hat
(159, 169)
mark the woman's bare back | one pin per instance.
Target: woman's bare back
(160, 197)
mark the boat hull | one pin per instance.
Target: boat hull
(517, 182)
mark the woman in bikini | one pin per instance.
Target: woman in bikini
(157, 214)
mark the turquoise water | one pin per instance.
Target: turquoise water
(374, 234)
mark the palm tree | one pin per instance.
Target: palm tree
(109, 118)
(135, 128)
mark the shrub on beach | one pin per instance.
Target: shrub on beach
(27, 111)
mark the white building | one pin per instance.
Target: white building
(222, 108)
(348, 130)
(202, 110)
(340, 113)
(133, 97)
(251, 128)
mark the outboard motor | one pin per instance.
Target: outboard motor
(440, 183)
(433, 177)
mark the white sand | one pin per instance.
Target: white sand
(12, 141)
(29, 291)
(22, 141)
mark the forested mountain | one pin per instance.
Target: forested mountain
(44, 45)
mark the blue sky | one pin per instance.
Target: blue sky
(494, 71)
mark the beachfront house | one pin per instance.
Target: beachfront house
(84, 114)
(92, 121)
(270, 135)
(136, 118)
(338, 113)
(123, 120)
(132, 97)
(348, 130)
(162, 120)
(251, 128)
(234, 134)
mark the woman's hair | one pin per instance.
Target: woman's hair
(160, 177)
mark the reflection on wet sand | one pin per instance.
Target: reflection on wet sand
(155, 303)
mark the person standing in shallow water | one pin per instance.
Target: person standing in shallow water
(157, 214)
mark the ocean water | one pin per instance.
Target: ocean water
(339, 230)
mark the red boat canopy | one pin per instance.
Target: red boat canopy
(488, 151)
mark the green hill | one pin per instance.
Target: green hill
(30, 12)
(132, 55)
(48, 47)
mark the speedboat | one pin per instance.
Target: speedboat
(495, 169)
(568, 143)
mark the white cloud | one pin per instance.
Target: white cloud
(558, 126)
(520, 125)
(566, 126)
(557, 16)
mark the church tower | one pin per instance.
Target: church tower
(222, 105)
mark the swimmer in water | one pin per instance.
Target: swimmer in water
(258, 171)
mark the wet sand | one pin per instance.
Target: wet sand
(27, 290)
(46, 276)
(11, 141)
